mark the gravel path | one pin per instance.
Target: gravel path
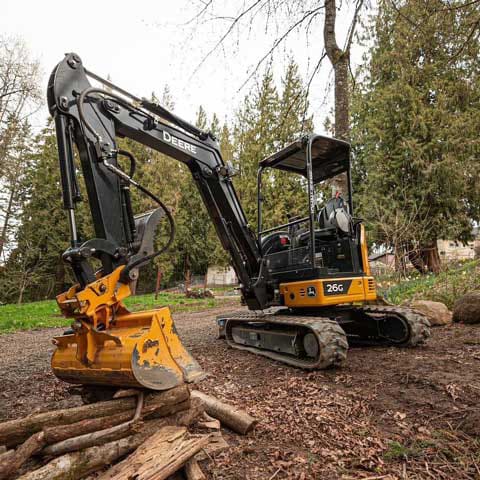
(388, 414)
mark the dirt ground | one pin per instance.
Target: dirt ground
(388, 414)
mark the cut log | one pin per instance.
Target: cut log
(14, 432)
(234, 418)
(159, 456)
(62, 432)
(89, 440)
(77, 465)
(9, 464)
(193, 470)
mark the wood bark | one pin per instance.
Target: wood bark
(340, 61)
(9, 464)
(89, 439)
(16, 431)
(193, 470)
(234, 418)
(62, 432)
(76, 465)
(159, 457)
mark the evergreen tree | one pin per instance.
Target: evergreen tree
(267, 122)
(35, 269)
(416, 121)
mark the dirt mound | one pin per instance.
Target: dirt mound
(467, 308)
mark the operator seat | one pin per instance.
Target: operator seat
(333, 220)
(334, 216)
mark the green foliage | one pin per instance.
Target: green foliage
(34, 269)
(266, 121)
(416, 117)
(44, 314)
(264, 124)
(446, 287)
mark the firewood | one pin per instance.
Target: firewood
(89, 440)
(16, 431)
(62, 432)
(9, 464)
(234, 418)
(114, 433)
(193, 470)
(76, 465)
(159, 456)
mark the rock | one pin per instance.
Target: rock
(467, 308)
(437, 313)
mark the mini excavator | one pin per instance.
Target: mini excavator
(307, 282)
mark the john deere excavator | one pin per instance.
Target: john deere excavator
(307, 282)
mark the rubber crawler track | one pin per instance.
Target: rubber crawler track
(331, 338)
(418, 325)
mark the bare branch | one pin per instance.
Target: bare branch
(277, 42)
(353, 25)
(225, 35)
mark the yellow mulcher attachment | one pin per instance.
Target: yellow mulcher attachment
(113, 346)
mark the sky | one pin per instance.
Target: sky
(144, 45)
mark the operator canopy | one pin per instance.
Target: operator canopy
(330, 157)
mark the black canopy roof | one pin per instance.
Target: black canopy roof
(329, 157)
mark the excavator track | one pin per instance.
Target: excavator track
(319, 340)
(304, 342)
(416, 328)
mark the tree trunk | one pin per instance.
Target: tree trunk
(16, 431)
(430, 257)
(8, 214)
(234, 418)
(340, 61)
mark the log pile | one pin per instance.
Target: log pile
(137, 434)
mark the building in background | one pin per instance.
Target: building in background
(221, 276)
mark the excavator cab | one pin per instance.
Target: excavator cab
(318, 258)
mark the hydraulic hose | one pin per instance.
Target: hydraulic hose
(121, 174)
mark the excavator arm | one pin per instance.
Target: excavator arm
(92, 118)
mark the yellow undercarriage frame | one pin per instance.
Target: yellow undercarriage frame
(115, 347)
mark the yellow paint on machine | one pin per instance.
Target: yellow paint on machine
(313, 293)
(112, 346)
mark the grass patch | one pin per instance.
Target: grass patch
(397, 451)
(46, 314)
(446, 287)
